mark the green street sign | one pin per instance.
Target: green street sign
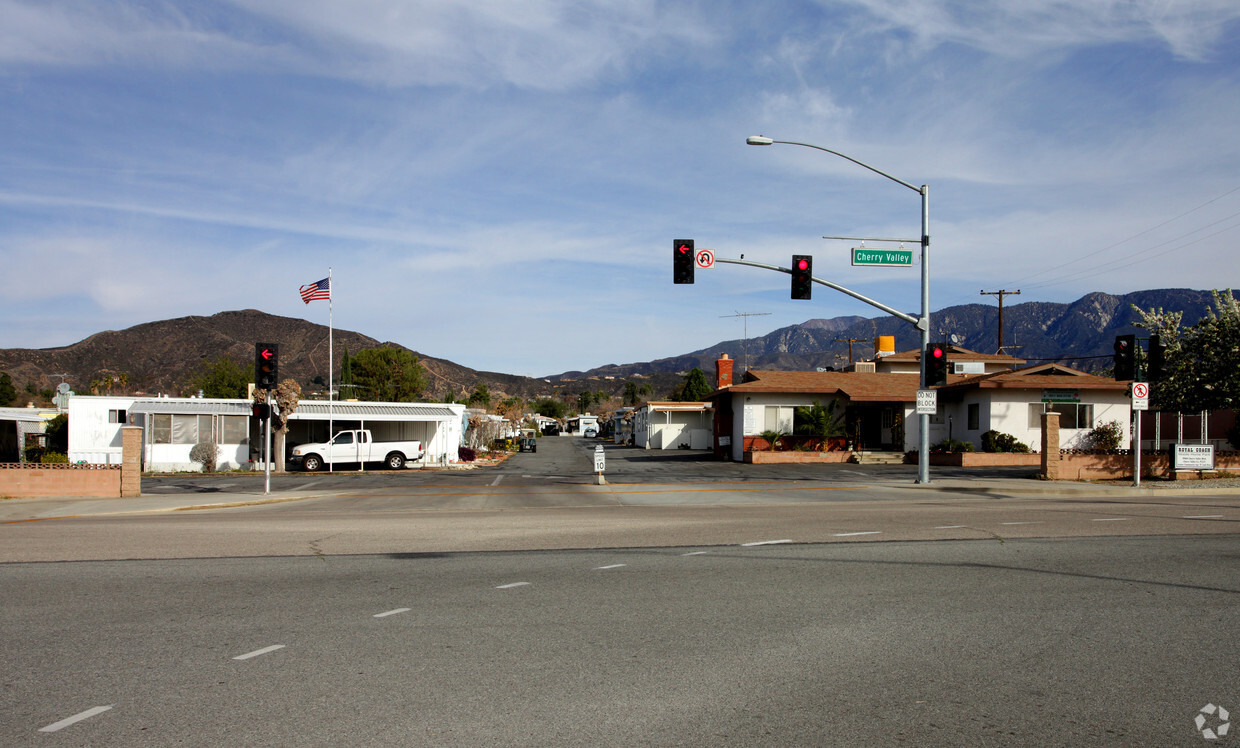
(1061, 396)
(892, 258)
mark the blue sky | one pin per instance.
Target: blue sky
(499, 183)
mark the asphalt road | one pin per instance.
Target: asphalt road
(1082, 642)
(685, 603)
(566, 461)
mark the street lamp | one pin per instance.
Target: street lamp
(923, 324)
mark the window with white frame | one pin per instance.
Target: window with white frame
(161, 428)
(118, 416)
(1071, 415)
(778, 418)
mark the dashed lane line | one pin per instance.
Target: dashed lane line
(258, 652)
(392, 612)
(62, 724)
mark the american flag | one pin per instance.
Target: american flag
(317, 290)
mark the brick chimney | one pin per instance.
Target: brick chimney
(723, 372)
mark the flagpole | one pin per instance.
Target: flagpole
(331, 359)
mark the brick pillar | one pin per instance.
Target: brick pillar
(723, 372)
(131, 461)
(1050, 446)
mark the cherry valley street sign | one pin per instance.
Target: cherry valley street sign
(895, 258)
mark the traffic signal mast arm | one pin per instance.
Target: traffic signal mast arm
(919, 324)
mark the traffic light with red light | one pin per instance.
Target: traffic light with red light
(266, 365)
(802, 276)
(683, 261)
(936, 364)
(1125, 357)
(262, 411)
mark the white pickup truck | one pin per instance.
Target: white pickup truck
(356, 446)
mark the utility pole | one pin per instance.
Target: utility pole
(745, 340)
(1000, 294)
(850, 341)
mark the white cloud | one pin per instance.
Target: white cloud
(1026, 28)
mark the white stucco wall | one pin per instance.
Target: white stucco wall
(92, 438)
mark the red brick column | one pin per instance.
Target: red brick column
(131, 461)
(1050, 446)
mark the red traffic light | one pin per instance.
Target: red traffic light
(802, 264)
(937, 352)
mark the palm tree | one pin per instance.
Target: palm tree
(772, 438)
(821, 421)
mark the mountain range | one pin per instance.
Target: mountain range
(159, 357)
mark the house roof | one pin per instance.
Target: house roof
(307, 410)
(1044, 376)
(678, 405)
(856, 386)
(956, 353)
(192, 406)
(25, 415)
(318, 410)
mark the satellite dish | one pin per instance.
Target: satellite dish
(63, 388)
(955, 339)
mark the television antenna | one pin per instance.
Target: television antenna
(745, 340)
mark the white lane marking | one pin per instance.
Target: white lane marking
(696, 553)
(498, 478)
(510, 586)
(764, 542)
(851, 534)
(258, 652)
(304, 486)
(613, 566)
(1022, 523)
(62, 724)
(950, 527)
(1202, 516)
(392, 612)
(1111, 519)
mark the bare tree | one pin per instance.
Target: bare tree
(287, 396)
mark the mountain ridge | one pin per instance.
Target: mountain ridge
(159, 357)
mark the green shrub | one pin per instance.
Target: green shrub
(952, 446)
(49, 458)
(997, 441)
(1107, 436)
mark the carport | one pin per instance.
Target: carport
(437, 426)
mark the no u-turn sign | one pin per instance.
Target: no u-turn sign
(705, 258)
